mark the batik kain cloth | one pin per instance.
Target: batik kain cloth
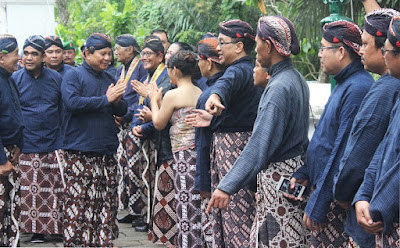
(91, 200)
(391, 240)
(278, 222)
(163, 228)
(231, 227)
(206, 223)
(9, 206)
(41, 193)
(332, 234)
(188, 202)
(130, 178)
(146, 168)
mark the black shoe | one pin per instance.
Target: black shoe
(126, 219)
(57, 237)
(143, 228)
(37, 238)
(138, 222)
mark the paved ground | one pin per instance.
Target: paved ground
(127, 238)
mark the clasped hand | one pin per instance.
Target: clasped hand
(141, 88)
(114, 92)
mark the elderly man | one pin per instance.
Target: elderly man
(41, 180)
(11, 136)
(370, 123)
(53, 56)
(277, 143)
(127, 52)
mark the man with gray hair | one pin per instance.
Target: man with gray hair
(127, 52)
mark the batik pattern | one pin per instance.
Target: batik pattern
(206, 223)
(390, 240)
(278, 222)
(91, 200)
(9, 206)
(146, 168)
(163, 228)
(41, 193)
(352, 243)
(130, 187)
(332, 235)
(231, 227)
(188, 202)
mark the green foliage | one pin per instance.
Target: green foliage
(185, 21)
(188, 20)
(306, 62)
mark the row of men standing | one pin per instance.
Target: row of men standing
(341, 134)
(32, 115)
(352, 161)
(37, 93)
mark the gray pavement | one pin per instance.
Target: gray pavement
(127, 238)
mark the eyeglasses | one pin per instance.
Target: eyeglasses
(383, 50)
(146, 54)
(222, 43)
(117, 47)
(322, 48)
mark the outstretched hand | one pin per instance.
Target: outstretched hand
(214, 105)
(198, 118)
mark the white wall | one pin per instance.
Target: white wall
(27, 17)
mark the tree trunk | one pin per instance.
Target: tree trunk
(63, 13)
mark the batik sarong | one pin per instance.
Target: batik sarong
(130, 176)
(352, 243)
(163, 228)
(91, 200)
(391, 240)
(146, 168)
(332, 234)
(9, 206)
(278, 222)
(41, 193)
(188, 202)
(231, 227)
(206, 224)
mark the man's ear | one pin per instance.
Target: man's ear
(209, 64)
(239, 47)
(130, 49)
(342, 53)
